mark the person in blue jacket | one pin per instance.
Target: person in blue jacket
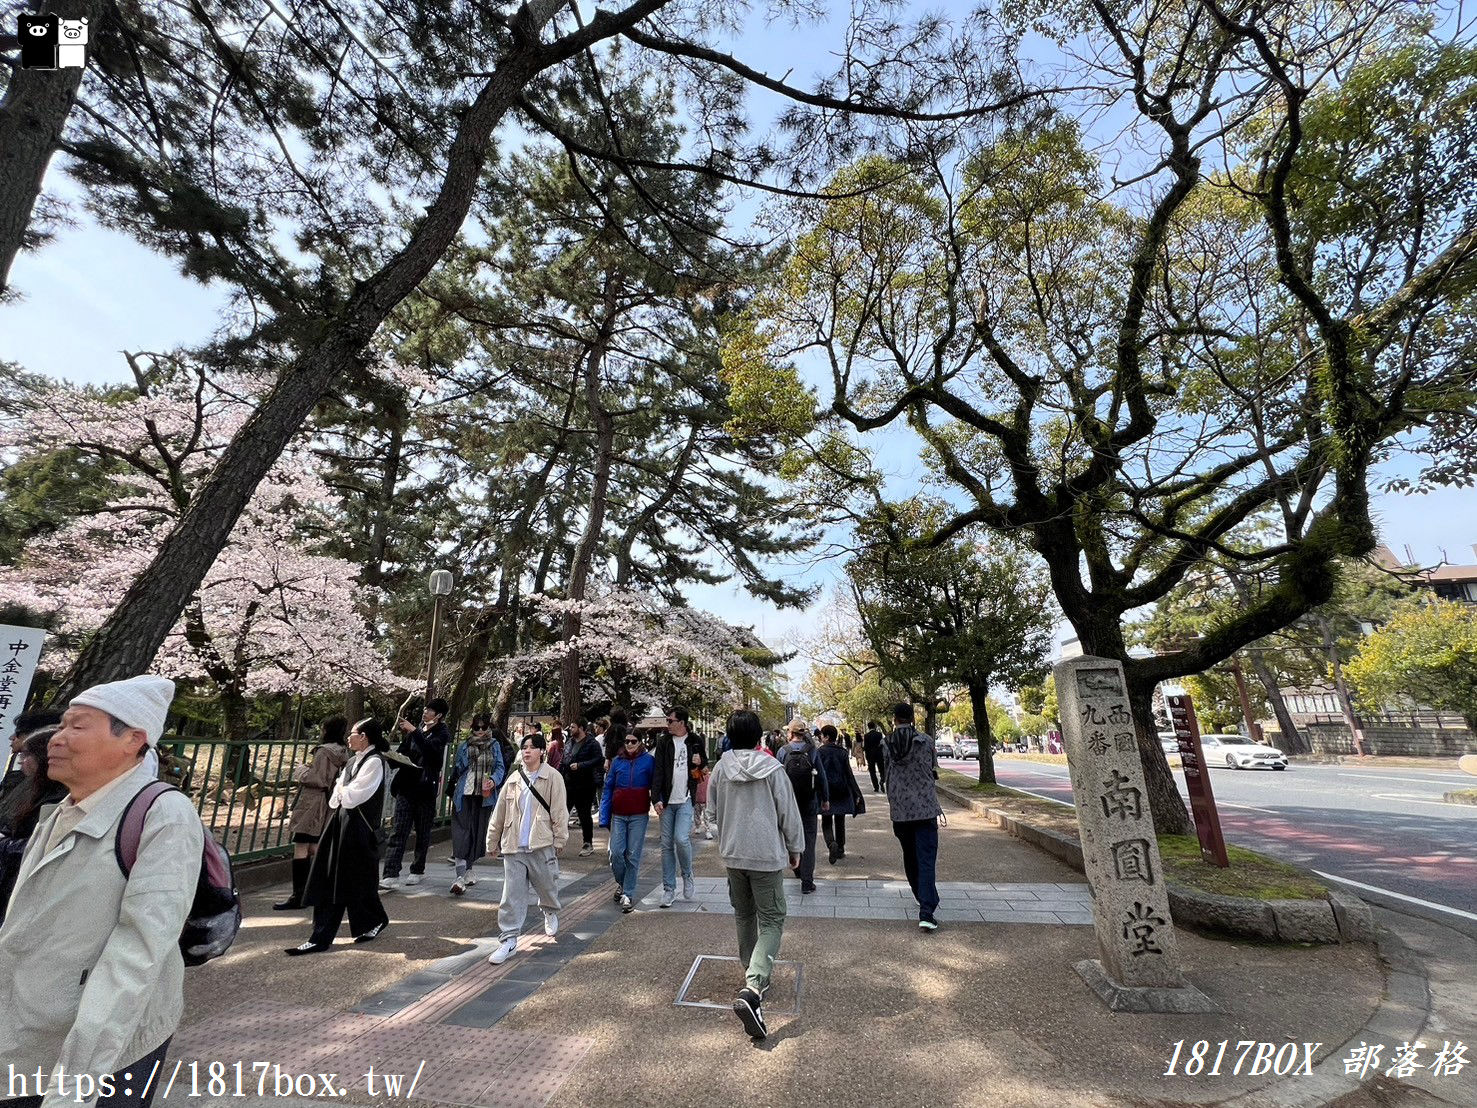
(625, 808)
(478, 771)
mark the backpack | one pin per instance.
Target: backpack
(215, 913)
(800, 768)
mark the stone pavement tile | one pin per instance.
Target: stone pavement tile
(459, 1082)
(1034, 888)
(948, 913)
(1075, 918)
(520, 1088)
(992, 916)
(818, 911)
(1027, 906)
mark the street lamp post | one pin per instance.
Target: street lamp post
(440, 590)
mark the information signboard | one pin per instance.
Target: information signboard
(1197, 778)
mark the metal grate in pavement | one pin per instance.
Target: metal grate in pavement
(778, 985)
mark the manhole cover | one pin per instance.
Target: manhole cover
(715, 980)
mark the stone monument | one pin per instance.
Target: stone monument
(1139, 967)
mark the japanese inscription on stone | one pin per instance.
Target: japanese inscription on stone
(1120, 853)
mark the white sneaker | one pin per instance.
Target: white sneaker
(708, 834)
(626, 905)
(469, 879)
(505, 950)
(689, 891)
(389, 884)
(668, 896)
(413, 879)
(551, 924)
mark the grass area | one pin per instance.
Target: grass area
(1250, 874)
(1461, 796)
(1048, 759)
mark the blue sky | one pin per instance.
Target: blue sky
(93, 292)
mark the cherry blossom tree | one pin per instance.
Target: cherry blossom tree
(635, 648)
(273, 615)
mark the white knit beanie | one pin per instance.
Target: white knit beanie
(141, 702)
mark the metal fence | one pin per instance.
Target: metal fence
(244, 790)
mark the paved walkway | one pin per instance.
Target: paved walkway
(866, 1009)
(959, 901)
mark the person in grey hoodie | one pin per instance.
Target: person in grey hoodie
(759, 833)
(912, 794)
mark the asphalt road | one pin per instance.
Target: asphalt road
(1387, 829)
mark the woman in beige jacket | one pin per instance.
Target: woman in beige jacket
(529, 826)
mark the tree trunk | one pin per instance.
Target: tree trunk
(1341, 687)
(32, 117)
(1171, 817)
(584, 553)
(379, 537)
(1253, 728)
(130, 637)
(979, 692)
(1293, 741)
(502, 707)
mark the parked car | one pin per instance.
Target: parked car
(1169, 742)
(1239, 752)
(968, 748)
(946, 748)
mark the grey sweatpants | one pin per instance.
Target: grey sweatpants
(525, 872)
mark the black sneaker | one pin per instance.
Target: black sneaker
(373, 933)
(749, 1009)
(928, 925)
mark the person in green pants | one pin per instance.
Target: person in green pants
(759, 833)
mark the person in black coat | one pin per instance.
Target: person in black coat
(874, 745)
(343, 876)
(23, 813)
(833, 764)
(415, 792)
(584, 760)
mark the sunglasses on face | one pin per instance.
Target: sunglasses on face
(633, 742)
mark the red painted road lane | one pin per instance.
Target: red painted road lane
(1412, 851)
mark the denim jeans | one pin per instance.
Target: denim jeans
(676, 842)
(627, 840)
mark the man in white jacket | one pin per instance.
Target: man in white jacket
(759, 832)
(91, 976)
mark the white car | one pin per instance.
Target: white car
(968, 748)
(1239, 752)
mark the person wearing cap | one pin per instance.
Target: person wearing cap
(414, 790)
(91, 975)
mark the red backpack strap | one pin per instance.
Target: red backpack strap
(131, 826)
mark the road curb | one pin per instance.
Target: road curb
(1343, 917)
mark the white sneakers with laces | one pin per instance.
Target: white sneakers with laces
(551, 924)
(413, 879)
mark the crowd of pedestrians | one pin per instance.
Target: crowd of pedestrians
(129, 877)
